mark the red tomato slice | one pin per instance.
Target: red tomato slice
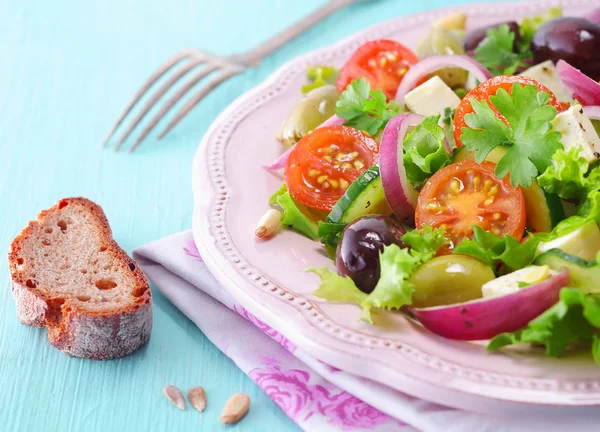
(325, 162)
(466, 194)
(490, 88)
(383, 63)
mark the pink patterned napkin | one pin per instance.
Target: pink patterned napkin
(316, 396)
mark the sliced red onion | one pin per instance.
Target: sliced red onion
(593, 112)
(280, 162)
(485, 318)
(399, 193)
(594, 16)
(584, 89)
(432, 64)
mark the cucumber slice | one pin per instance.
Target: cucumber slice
(363, 197)
(544, 210)
(584, 274)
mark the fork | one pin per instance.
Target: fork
(207, 64)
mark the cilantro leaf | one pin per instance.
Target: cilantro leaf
(530, 140)
(493, 250)
(330, 232)
(424, 151)
(365, 109)
(576, 317)
(319, 76)
(496, 52)
(529, 26)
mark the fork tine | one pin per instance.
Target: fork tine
(211, 85)
(164, 68)
(206, 70)
(184, 69)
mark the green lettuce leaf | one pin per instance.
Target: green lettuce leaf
(529, 26)
(393, 289)
(576, 317)
(426, 241)
(298, 217)
(319, 76)
(566, 176)
(530, 140)
(365, 109)
(493, 250)
(424, 152)
(282, 190)
(331, 232)
(337, 288)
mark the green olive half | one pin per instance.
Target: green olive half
(443, 42)
(449, 279)
(310, 111)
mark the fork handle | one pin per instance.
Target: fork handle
(255, 55)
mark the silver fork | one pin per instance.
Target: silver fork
(223, 67)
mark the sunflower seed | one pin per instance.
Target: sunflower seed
(235, 408)
(197, 398)
(175, 396)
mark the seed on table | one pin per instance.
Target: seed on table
(268, 223)
(175, 396)
(197, 398)
(235, 408)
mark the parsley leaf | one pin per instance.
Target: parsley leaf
(530, 140)
(424, 151)
(496, 52)
(319, 76)
(331, 232)
(365, 109)
(493, 250)
(576, 317)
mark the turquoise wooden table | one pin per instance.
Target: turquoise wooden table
(67, 71)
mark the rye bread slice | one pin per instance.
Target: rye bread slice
(70, 276)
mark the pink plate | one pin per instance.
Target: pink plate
(231, 191)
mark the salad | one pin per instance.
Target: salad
(458, 184)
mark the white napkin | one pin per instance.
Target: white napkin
(316, 396)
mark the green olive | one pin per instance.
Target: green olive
(449, 279)
(441, 42)
(310, 111)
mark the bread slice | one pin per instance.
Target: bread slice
(70, 276)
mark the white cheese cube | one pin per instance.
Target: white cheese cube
(546, 74)
(509, 283)
(432, 98)
(578, 132)
(583, 242)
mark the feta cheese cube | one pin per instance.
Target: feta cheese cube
(509, 283)
(431, 98)
(578, 132)
(546, 74)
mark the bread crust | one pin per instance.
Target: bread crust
(77, 330)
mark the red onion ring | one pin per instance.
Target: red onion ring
(584, 89)
(485, 318)
(433, 64)
(400, 195)
(280, 162)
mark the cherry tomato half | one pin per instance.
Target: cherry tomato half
(490, 88)
(466, 194)
(325, 162)
(383, 63)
